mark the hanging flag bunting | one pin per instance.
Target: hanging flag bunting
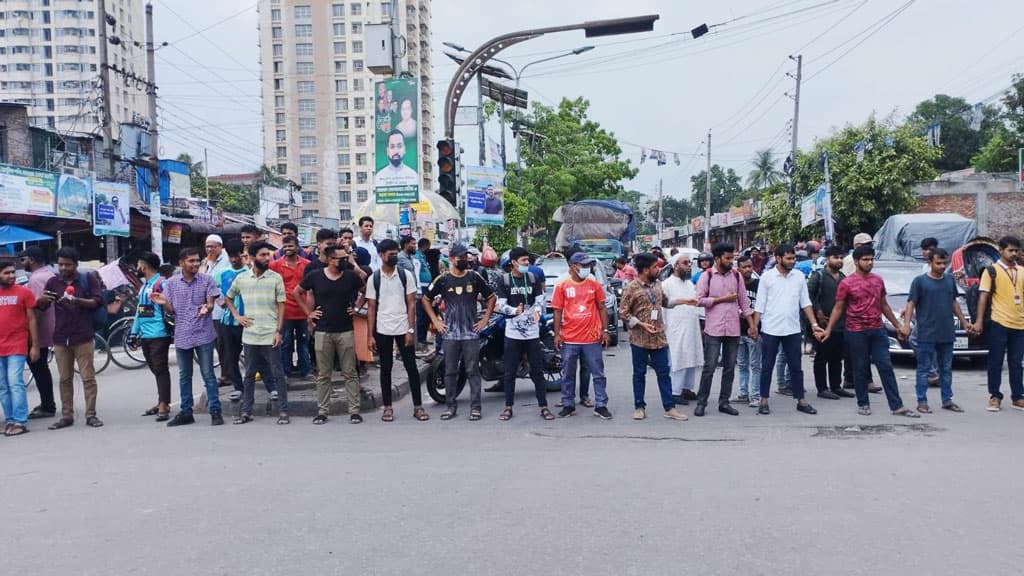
(977, 115)
(660, 156)
(934, 134)
(643, 155)
(675, 157)
(890, 141)
(859, 148)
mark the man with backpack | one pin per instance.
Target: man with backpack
(391, 321)
(77, 298)
(722, 292)
(521, 300)
(149, 332)
(822, 286)
(1002, 296)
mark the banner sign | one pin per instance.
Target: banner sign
(74, 197)
(485, 196)
(27, 191)
(174, 181)
(404, 224)
(396, 141)
(812, 206)
(173, 233)
(110, 201)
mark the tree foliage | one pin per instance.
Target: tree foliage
(726, 189)
(765, 172)
(572, 159)
(779, 216)
(999, 154)
(959, 142)
(236, 198)
(517, 214)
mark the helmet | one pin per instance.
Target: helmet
(705, 256)
(812, 247)
(488, 257)
(504, 262)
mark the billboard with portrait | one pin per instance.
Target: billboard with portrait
(485, 191)
(110, 209)
(396, 142)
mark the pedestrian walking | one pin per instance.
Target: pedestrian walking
(722, 293)
(932, 296)
(641, 309)
(231, 330)
(748, 356)
(335, 290)
(263, 294)
(822, 286)
(521, 300)
(75, 296)
(460, 289)
(781, 297)
(189, 296)
(391, 318)
(33, 259)
(19, 341)
(581, 332)
(149, 332)
(1002, 297)
(862, 297)
(682, 328)
(295, 336)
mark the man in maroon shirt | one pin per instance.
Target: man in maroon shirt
(292, 267)
(862, 295)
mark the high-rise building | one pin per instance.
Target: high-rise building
(50, 61)
(318, 99)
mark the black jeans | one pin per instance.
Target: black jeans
(155, 352)
(386, 351)
(828, 361)
(232, 355)
(535, 357)
(729, 346)
(867, 347)
(44, 381)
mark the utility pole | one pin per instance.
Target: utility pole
(206, 175)
(707, 196)
(156, 228)
(480, 117)
(796, 121)
(108, 137)
(661, 226)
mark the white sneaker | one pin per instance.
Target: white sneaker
(273, 395)
(754, 403)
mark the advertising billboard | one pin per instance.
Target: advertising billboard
(396, 141)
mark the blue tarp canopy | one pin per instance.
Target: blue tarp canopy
(11, 234)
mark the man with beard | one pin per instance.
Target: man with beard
(18, 343)
(396, 173)
(723, 295)
(748, 356)
(263, 293)
(34, 260)
(682, 328)
(149, 332)
(822, 286)
(492, 204)
(863, 294)
(292, 267)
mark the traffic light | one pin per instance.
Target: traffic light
(448, 171)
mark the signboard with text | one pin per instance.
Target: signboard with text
(111, 216)
(27, 191)
(485, 196)
(396, 141)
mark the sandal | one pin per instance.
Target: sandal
(587, 402)
(7, 428)
(152, 411)
(242, 419)
(448, 415)
(474, 415)
(505, 415)
(283, 419)
(546, 414)
(924, 409)
(420, 414)
(864, 410)
(62, 423)
(163, 416)
(907, 413)
(93, 422)
(15, 430)
(388, 415)
(952, 407)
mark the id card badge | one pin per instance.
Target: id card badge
(1016, 299)
(654, 314)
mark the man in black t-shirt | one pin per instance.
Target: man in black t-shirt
(459, 290)
(334, 291)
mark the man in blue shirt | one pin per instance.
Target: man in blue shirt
(150, 333)
(231, 330)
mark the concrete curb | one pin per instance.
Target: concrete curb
(302, 394)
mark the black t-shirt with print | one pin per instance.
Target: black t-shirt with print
(460, 295)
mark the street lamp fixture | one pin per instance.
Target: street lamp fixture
(599, 28)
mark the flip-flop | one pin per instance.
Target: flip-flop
(62, 423)
(952, 407)
(924, 409)
(15, 430)
(152, 411)
(906, 413)
(420, 414)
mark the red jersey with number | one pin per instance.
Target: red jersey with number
(16, 303)
(580, 303)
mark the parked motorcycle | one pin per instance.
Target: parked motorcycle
(492, 363)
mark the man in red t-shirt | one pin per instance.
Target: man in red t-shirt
(292, 267)
(862, 297)
(18, 340)
(581, 328)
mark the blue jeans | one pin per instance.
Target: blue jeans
(1003, 341)
(13, 399)
(790, 346)
(748, 360)
(204, 355)
(295, 334)
(932, 355)
(658, 359)
(867, 347)
(592, 356)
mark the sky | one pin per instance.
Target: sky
(660, 90)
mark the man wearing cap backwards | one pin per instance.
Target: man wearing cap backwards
(460, 289)
(213, 265)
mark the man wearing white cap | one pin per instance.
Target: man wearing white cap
(217, 261)
(861, 239)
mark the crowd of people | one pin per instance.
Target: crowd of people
(271, 314)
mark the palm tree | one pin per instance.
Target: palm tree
(196, 170)
(764, 173)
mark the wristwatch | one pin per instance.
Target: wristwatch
(410, 331)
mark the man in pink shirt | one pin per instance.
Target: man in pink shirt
(623, 270)
(722, 292)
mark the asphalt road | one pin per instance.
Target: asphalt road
(781, 494)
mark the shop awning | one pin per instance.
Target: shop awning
(11, 234)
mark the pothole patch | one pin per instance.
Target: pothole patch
(867, 431)
(633, 437)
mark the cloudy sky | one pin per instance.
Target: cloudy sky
(661, 90)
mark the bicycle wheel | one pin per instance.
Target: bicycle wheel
(101, 353)
(121, 353)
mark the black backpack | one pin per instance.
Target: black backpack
(401, 276)
(973, 295)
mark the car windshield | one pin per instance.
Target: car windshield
(897, 279)
(609, 246)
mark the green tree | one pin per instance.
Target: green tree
(765, 172)
(725, 189)
(959, 142)
(779, 217)
(999, 154)
(571, 158)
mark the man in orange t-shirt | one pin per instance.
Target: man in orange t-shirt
(581, 328)
(295, 336)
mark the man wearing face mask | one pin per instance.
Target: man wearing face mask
(682, 328)
(460, 289)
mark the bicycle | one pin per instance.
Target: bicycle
(133, 358)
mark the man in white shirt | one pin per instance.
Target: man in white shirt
(396, 173)
(781, 295)
(366, 241)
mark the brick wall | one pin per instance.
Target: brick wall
(17, 144)
(1006, 214)
(992, 200)
(962, 204)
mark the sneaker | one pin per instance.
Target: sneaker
(355, 419)
(754, 403)
(320, 419)
(181, 420)
(566, 411)
(602, 413)
(639, 414)
(1018, 404)
(273, 395)
(763, 409)
(216, 419)
(235, 395)
(994, 404)
(864, 410)
(742, 398)
(674, 414)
